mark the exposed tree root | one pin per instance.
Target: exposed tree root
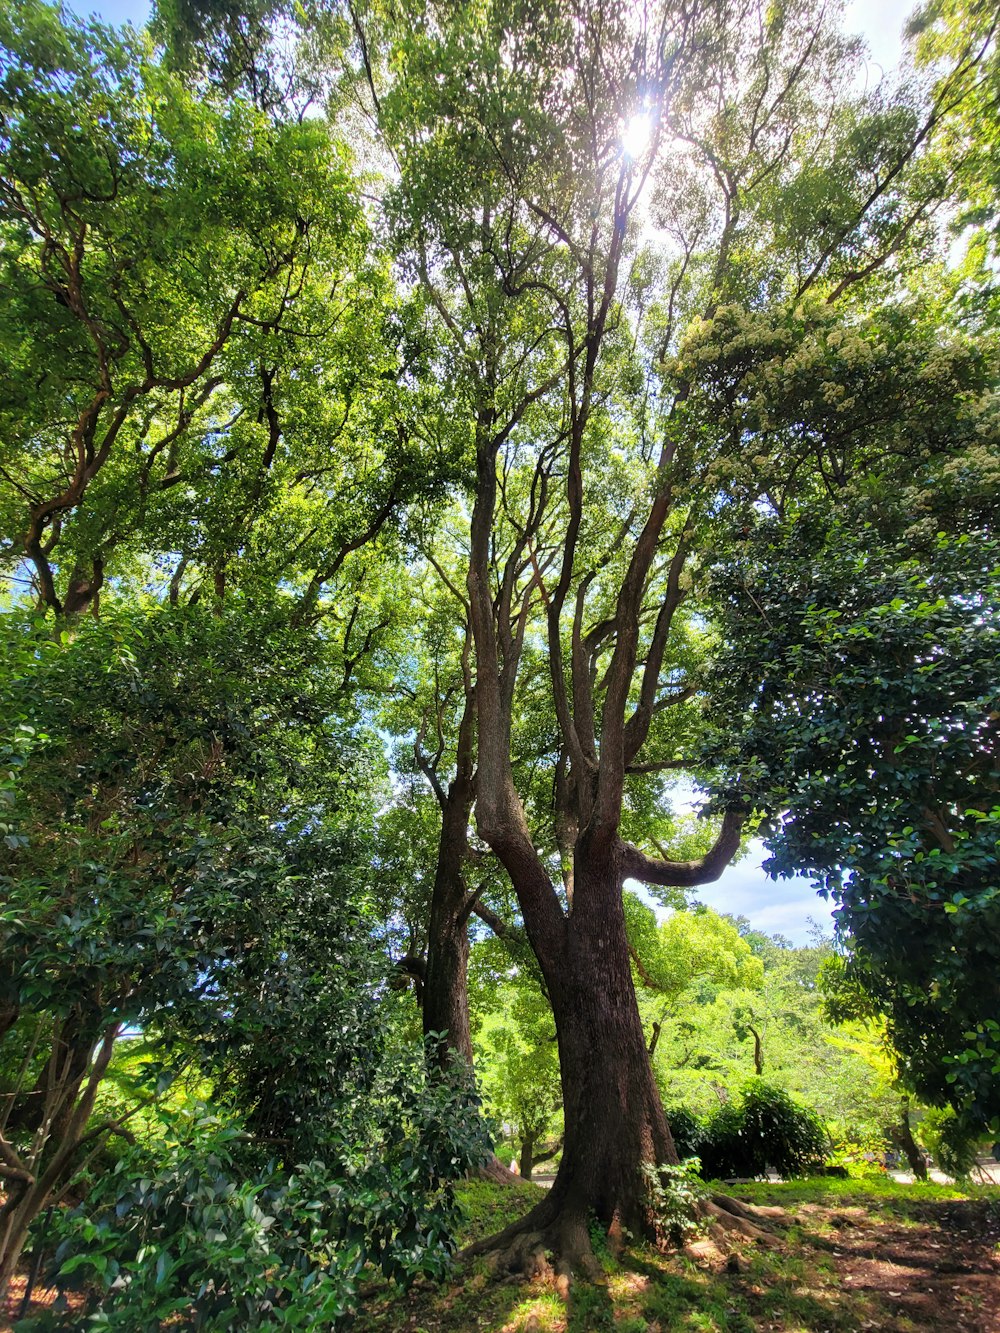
(536, 1220)
(552, 1241)
(730, 1214)
(496, 1172)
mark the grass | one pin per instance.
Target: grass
(822, 1271)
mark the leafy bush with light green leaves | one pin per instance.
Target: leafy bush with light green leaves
(949, 1141)
(675, 1193)
(194, 1233)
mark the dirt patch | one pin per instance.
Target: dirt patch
(937, 1270)
(941, 1272)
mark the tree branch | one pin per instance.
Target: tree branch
(687, 874)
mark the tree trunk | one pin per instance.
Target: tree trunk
(445, 991)
(909, 1145)
(614, 1121)
(527, 1158)
(758, 1052)
(15, 1219)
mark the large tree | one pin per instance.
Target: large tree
(200, 340)
(875, 743)
(528, 140)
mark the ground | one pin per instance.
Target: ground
(845, 1255)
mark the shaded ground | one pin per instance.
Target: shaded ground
(846, 1255)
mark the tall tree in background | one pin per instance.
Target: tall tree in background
(877, 740)
(172, 265)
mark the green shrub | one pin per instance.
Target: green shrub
(675, 1193)
(191, 1233)
(949, 1142)
(764, 1130)
(687, 1130)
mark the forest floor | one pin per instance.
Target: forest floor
(845, 1255)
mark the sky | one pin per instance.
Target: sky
(880, 20)
(787, 906)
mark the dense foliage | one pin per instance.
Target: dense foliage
(760, 1130)
(875, 735)
(429, 433)
(187, 1227)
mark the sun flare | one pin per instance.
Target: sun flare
(637, 134)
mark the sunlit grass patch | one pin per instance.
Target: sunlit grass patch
(488, 1208)
(538, 1314)
(801, 1279)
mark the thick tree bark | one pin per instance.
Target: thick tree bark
(446, 993)
(614, 1121)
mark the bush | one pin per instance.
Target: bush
(687, 1130)
(675, 1193)
(764, 1130)
(949, 1142)
(863, 1158)
(190, 1234)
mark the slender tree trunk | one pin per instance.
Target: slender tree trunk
(526, 1160)
(445, 990)
(445, 995)
(913, 1154)
(758, 1053)
(15, 1219)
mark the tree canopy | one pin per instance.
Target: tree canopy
(430, 432)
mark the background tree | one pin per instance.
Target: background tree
(173, 827)
(170, 263)
(517, 1056)
(689, 950)
(878, 657)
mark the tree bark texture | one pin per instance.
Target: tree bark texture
(445, 995)
(614, 1120)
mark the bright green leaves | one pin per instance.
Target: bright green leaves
(688, 947)
(198, 337)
